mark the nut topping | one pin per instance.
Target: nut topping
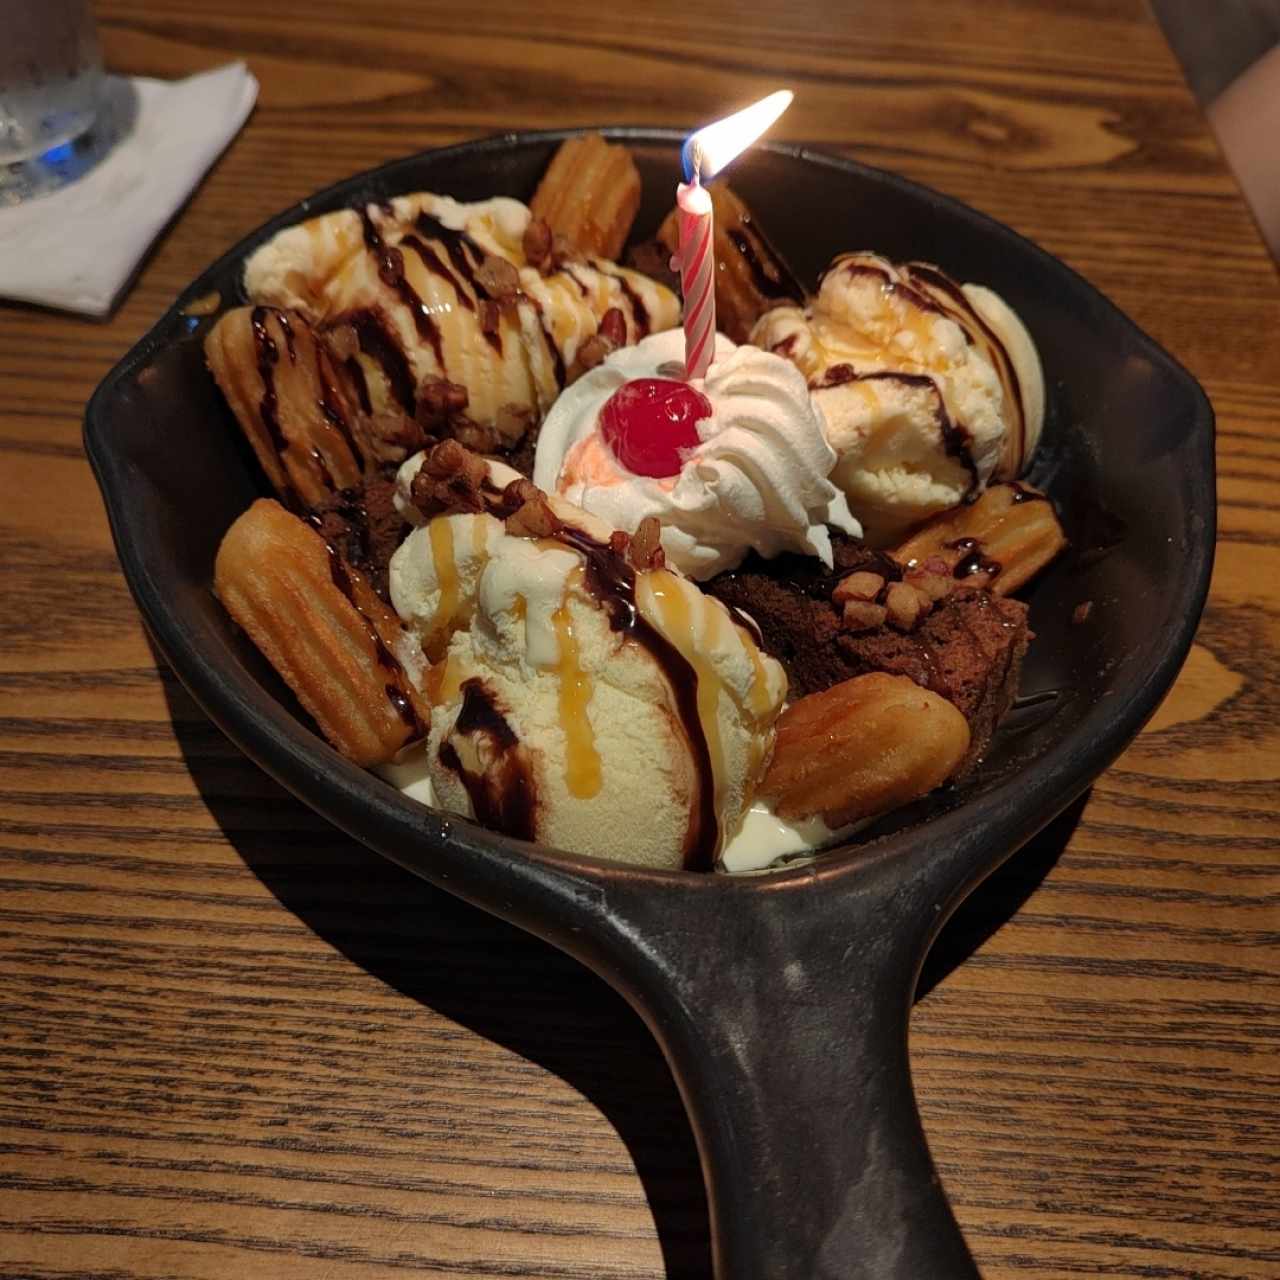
(438, 401)
(537, 244)
(905, 606)
(532, 516)
(858, 586)
(451, 479)
(498, 278)
(645, 551)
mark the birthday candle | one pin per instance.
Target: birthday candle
(705, 154)
(697, 277)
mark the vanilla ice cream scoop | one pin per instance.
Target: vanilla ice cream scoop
(415, 281)
(578, 701)
(929, 389)
(754, 474)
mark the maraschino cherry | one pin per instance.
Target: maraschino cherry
(650, 422)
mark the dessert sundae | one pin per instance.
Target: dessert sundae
(525, 567)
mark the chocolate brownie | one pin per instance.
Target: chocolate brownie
(969, 648)
(365, 527)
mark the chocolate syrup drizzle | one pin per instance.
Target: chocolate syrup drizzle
(379, 342)
(397, 684)
(268, 354)
(502, 798)
(973, 559)
(356, 372)
(432, 261)
(1022, 494)
(639, 312)
(903, 288)
(612, 581)
(956, 439)
(969, 318)
(756, 252)
(582, 288)
(921, 278)
(377, 338)
(329, 402)
(391, 273)
(268, 357)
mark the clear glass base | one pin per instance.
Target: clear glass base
(60, 165)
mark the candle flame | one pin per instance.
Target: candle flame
(706, 152)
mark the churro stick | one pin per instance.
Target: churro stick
(751, 276)
(590, 194)
(289, 400)
(1000, 541)
(320, 624)
(861, 748)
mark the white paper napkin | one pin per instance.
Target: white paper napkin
(75, 248)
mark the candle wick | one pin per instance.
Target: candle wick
(697, 162)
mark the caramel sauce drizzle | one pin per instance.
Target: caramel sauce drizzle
(661, 593)
(440, 534)
(758, 700)
(928, 291)
(583, 772)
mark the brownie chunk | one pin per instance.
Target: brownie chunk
(969, 648)
(365, 527)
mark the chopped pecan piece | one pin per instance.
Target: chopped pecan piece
(498, 278)
(537, 243)
(438, 401)
(450, 479)
(858, 586)
(905, 606)
(611, 335)
(531, 515)
(397, 435)
(645, 551)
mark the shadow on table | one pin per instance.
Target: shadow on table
(506, 985)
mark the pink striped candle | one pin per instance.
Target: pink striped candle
(704, 154)
(697, 263)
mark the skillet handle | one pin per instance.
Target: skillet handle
(783, 1015)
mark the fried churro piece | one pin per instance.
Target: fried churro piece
(289, 399)
(999, 542)
(863, 747)
(590, 194)
(321, 625)
(751, 276)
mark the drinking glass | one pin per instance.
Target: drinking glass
(50, 94)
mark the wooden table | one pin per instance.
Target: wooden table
(236, 1045)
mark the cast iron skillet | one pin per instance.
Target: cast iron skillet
(781, 1001)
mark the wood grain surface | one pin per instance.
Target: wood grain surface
(236, 1045)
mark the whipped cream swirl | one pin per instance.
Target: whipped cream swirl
(757, 479)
